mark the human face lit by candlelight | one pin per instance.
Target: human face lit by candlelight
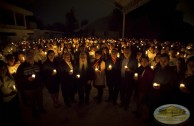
(51, 56)
(97, 56)
(114, 54)
(67, 57)
(144, 62)
(164, 61)
(127, 53)
(30, 56)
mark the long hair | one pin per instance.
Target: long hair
(85, 63)
(3, 64)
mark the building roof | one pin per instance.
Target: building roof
(15, 8)
(130, 5)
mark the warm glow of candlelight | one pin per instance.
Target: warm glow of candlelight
(156, 84)
(71, 71)
(14, 88)
(182, 85)
(152, 67)
(33, 75)
(118, 55)
(110, 66)
(96, 69)
(78, 76)
(126, 67)
(54, 70)
(135, 74)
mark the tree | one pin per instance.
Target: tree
(71, 23)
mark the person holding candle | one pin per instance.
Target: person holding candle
(144, 78)
(164, 83)
(67, 79)
(129, 64)
(31, 86)
(100, 78)
(12, 64)
(105, 53)
(113, 74)
(10, 110)
(86, 74)
(186, 86)
(51, 78)
(20, 57)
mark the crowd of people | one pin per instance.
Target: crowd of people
(147, 72)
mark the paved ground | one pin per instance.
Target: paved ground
(94, 114)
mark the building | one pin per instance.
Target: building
(13, 25)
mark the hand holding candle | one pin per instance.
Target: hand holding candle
(78, 76)
(182, 85)
(70, 72)
(110, 67)
(33, 76)
(126, 68)
(156, 86)
(135, 76)
(183, 88)
(14, 88)
(97, 69)
(54, 72)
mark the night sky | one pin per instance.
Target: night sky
(51, 11)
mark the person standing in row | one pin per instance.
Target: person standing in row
(29, 83)
(67, 79)
(144, 78)
(164, 84)
(113, 73)
(186, 86)
(9, 107)
(51, 78)
(85, 76)
(100, 77)
(129, 65)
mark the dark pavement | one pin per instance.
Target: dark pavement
(94, 114)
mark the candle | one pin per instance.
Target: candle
(96, 69)
(126, 67)
(118, 55)
(71, 71)
(110, 67)
(54, 71)
(135, 74)
(78, 76)
(152, 67)
(156, 85)
(182, 85)
(33, 75)
(146, 52)
(14, 88)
